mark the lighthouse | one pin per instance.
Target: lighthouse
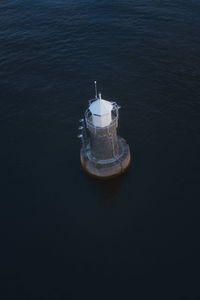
(103, 154)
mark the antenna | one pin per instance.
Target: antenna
(95, 86)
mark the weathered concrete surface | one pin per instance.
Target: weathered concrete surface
(106, 169)
(103, 141)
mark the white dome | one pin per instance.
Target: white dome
(101, 107)
(101, 112)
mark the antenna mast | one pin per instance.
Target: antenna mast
(95, 86)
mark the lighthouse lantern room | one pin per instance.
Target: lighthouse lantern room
(101, 111)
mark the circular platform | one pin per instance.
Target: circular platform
(106, 169)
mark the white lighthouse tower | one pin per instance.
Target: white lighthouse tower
(103, 154)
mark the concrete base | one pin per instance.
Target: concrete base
(106, 169)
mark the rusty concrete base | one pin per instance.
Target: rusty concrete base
(106, 169)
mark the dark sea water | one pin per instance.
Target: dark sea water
(64, 235)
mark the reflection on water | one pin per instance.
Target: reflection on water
(107, 191)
